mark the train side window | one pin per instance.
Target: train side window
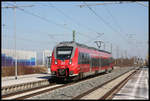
(102, 62)
(80, 58)
(110, 60)
(96, 61)
(88, 59)
(105, 62)
(92, 62)
(99, 61)
(83, 58)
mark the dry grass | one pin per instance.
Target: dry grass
(22, 70)
(124, 62)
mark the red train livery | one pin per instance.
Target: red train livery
(71, 59)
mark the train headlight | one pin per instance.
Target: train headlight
(70, 61)
(55, 61)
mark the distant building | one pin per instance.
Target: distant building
(26, 58)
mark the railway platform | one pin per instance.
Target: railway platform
(136, 88)
(9, 81)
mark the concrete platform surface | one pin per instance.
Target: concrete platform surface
(8, 81)
(136, 88)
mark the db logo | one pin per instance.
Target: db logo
(62, 63)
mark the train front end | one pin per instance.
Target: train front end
(64, 61)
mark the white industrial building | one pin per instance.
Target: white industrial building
(21, 55)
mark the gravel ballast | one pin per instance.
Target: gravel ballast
(76, 89)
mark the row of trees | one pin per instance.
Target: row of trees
(122, 62)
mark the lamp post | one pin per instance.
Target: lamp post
(14, 8)
(15, 40)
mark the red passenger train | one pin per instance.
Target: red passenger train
(71, 59)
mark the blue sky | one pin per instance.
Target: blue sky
(42, 26)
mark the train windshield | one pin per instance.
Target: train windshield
(64, 52)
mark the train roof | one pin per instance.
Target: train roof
(84, 46)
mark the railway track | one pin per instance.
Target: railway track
(26, 93)
(43, 88)
(26, 90)
(107, 89)
(34, 91)
(110, 94)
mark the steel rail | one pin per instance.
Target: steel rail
(100, 86)
(48, 84)
(112, 92)
(5, 96)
